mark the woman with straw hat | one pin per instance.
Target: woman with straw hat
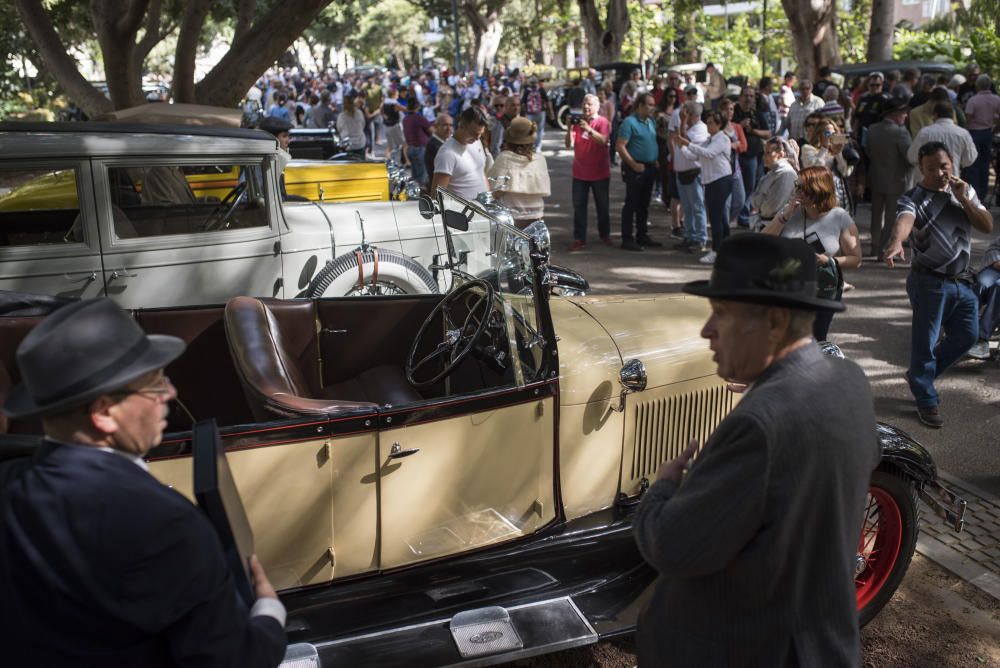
(527, 182)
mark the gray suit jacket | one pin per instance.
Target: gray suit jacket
(755, 549)
(889, 166)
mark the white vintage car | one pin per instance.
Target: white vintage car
(161, 215)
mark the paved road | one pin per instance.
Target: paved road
(874, 331)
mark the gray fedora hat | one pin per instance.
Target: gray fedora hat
(764, 269)
(82, 351)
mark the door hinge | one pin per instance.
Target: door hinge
(540, 409)
(277, 248)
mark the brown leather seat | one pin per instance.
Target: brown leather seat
(276, 354)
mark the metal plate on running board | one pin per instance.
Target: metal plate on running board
(484, 631)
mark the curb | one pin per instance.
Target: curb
(951, 559)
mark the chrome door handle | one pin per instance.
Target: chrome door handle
(92, 276)
(396, 452)
(122, 274)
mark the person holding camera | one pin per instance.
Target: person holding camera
(813, 215)
(588, 136)
(829, 147)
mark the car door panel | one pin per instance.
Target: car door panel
(470, 480)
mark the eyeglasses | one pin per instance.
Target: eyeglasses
(157, 390)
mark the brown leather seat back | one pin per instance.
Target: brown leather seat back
(277, 358)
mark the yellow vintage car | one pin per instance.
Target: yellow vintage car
(450, 480)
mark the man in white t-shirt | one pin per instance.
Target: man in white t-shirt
(460, 164)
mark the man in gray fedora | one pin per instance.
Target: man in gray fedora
(100, 564)
(755, 545)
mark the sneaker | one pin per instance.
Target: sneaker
(980, 351)
(930, 416)
(683, 245)
(707, 258)
(699, 248)
(630, 245)
(848, 286)
(576, 245)
(649, 243)
(677, 233)
(607, 241)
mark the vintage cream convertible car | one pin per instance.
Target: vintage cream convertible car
(160, 215)
(451, 480)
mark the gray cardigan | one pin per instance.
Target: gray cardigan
(755, 549)
(774, 190)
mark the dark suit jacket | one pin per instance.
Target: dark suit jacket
(887, 147)
(755, 549)
(101, 565)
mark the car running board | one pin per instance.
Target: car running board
(479, 637)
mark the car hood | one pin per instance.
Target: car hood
(597, 334)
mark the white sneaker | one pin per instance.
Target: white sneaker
(707, 258)
(980, 351)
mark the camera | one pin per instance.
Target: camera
(575, 116)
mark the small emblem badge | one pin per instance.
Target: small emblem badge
(486, 637)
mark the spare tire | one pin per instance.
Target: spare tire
(375, 271)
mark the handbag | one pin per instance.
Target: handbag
(688, 176)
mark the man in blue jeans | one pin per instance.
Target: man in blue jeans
(689, 185)
(938, 216)
(638, 150)
(988, 289)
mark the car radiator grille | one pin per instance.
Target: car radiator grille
(664, 426)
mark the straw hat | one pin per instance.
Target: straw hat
(521, 131)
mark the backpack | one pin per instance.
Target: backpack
(534, 101)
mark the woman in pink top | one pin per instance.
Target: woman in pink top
(588, 137)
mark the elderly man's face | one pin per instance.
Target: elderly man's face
(512, 107)
(738, 334)
(140, 413)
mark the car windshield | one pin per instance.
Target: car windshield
(509, 268)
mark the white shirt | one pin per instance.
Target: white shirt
(683, 162)
(956, 138)
(713, 155)
(466, 164)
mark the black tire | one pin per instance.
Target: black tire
(383, 271)
(891, 501)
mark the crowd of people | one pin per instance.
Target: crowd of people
(790, 159)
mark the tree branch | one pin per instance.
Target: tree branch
(58, 61)
(151, 37)
(244, 19)
(270, 35)
(192, 20)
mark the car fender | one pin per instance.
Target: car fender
(905, 453)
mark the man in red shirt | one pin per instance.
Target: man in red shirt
(416, 134)
(591, 171)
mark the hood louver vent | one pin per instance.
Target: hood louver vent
(664, 426)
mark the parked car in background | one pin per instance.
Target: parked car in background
(437, 480)
(617, 72)
(161, 215)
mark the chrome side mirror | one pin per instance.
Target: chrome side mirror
(539, 231)
(426, 207)
(632, 377)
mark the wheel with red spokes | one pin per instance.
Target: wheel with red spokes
(888, 538)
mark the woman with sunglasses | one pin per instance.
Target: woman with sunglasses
(716, 172)
(776, 187)
(829, 147)
(813, 215)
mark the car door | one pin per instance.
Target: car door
(49, 239)
(188, 231)
(475, 468)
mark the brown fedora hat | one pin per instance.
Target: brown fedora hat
(82, 351)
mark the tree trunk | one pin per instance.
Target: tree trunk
(195, 12)
(58, 61)
(814, 34)
(604, 38)
(117, 25)
(326, 57)
(880, 37)
(263, 44)
(489, 43)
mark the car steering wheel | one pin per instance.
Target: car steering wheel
(215, 221)
(459, 339)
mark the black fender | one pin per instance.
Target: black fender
(905, 453)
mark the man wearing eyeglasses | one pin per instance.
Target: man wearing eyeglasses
(100, 564)
(870, 106)
(795, 121)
